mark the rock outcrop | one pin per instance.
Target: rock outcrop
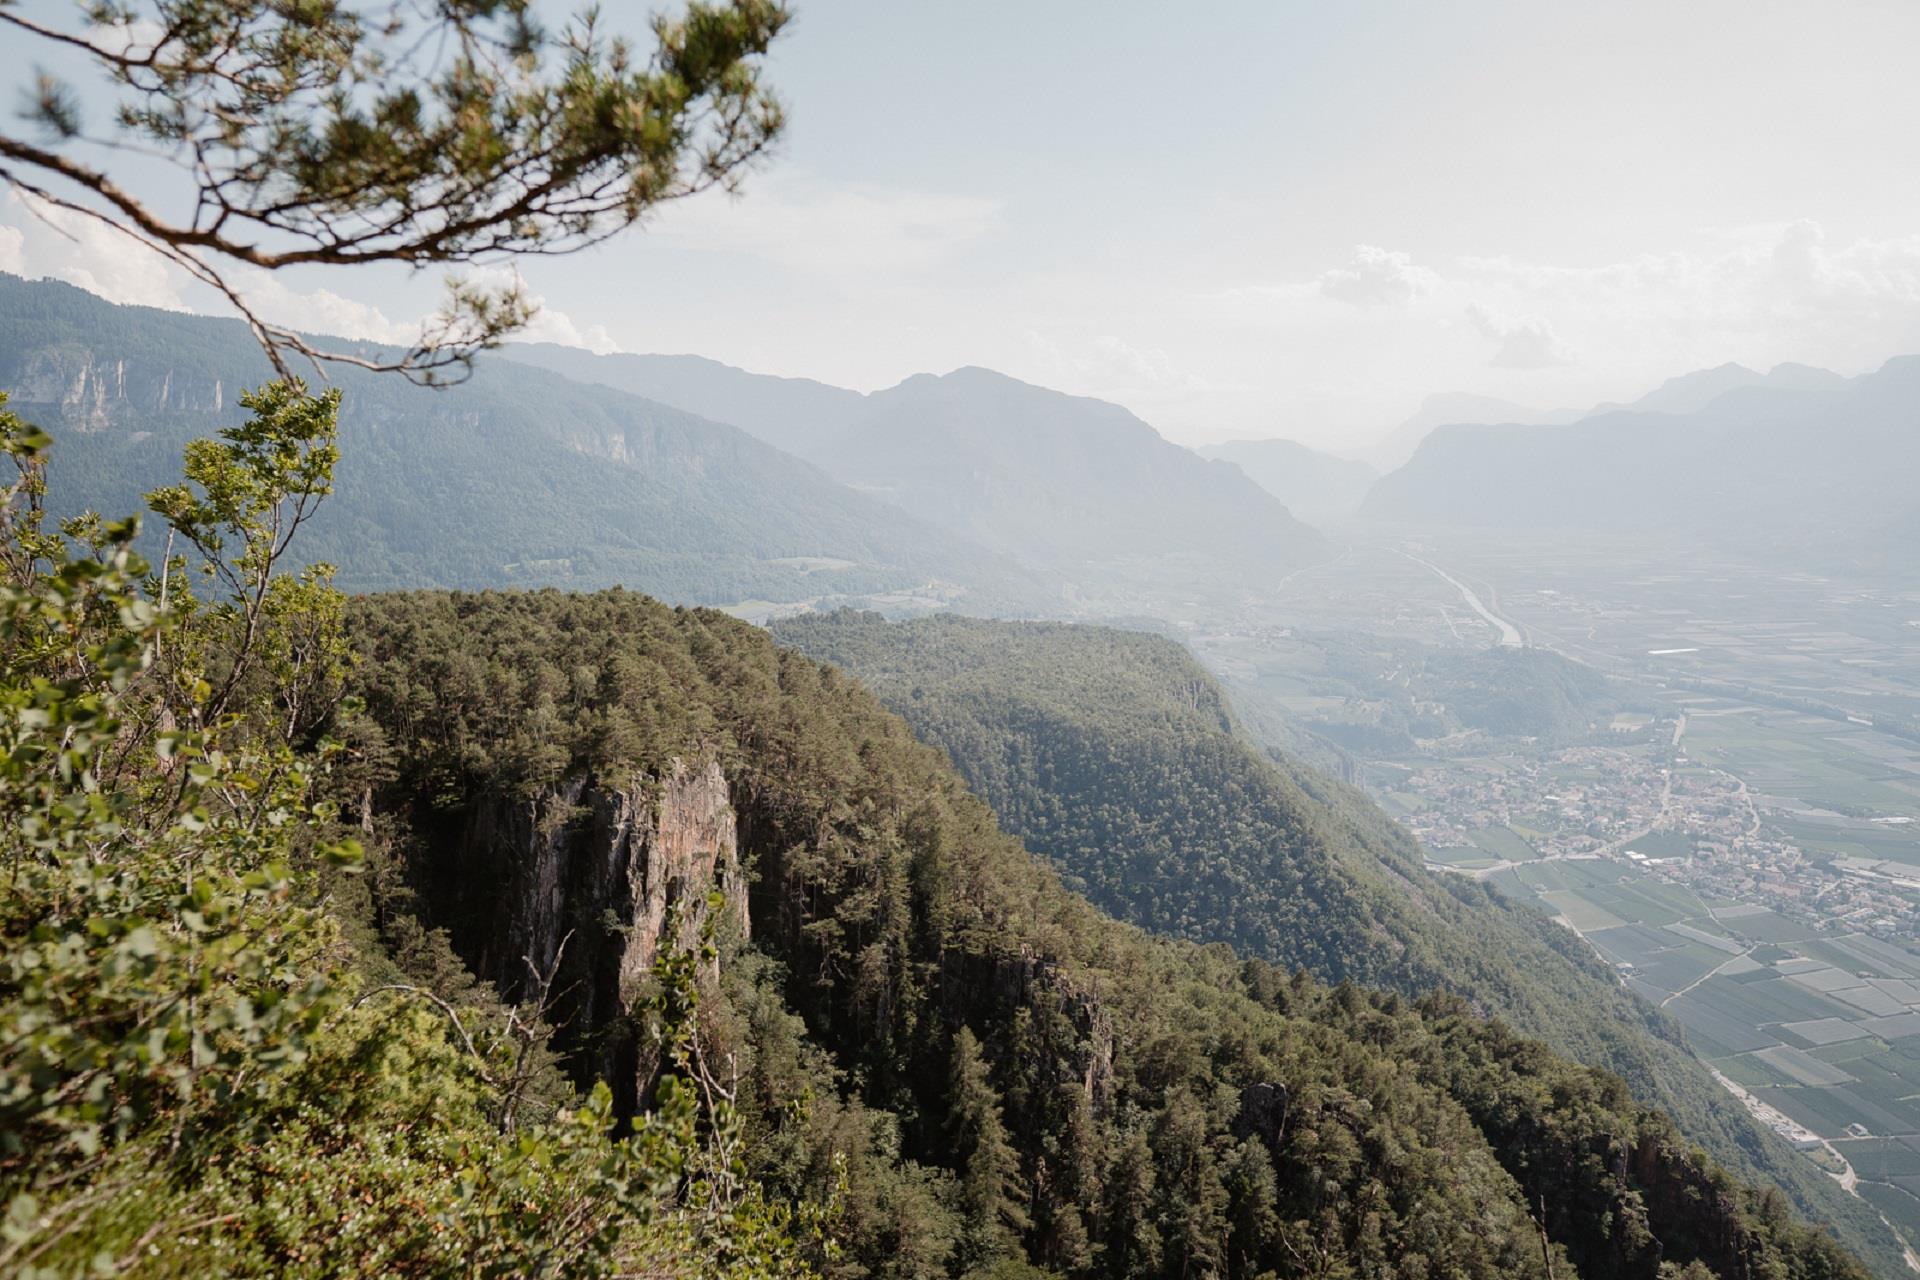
(568, 896)
(90, 392)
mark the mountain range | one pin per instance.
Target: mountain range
(1692, 392)
(1797, 464)
(798, 415)
(1319, 488)
(1684, 393)
(971, 487)
(1444, 408)
(1066, 484)
(517, 477)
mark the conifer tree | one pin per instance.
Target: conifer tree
(990, 1186)
(417, 133)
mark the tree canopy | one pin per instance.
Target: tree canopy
(1114, 754)
(201, 1073)
(963, 1067)
(412, 132)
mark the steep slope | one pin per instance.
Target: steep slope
(1802, 476)
(798, 415)
(1317, 487)
(980, 1068)
(1115, 755)
(1067, 484)
(1446, 407)
(1692, 392)
(519, 476)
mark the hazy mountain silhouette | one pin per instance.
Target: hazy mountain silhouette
(1447, 407)
(1066, 483)
(1692, 392)
(795, 414)
(1797, 462)
(519, 477)
(1317, 487)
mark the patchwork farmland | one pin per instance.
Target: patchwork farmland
(1821, 1027)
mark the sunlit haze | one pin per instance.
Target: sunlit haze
(991, 640)
(1259, 219)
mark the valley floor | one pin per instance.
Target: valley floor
(1739, 839)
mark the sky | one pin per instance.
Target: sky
(1253, 218)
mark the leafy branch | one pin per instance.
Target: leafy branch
(415, 132)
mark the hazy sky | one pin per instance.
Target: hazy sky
(1257, 218)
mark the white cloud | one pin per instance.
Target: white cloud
(834, 229)
(549, 325)
(1526, 342)
(1112, 356)
(47, 241)
(321, 311)
(1883, 274)
(1110, 366)
(1754, 276)
(39, 241)
(1755, 294)
(1376, 277)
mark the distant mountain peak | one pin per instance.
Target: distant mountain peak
(1798, 465)
(980, 373)
(1064, 481)
(1067, 484)
(978, 379)
(1445, 408)
(1319, 488)
(1692, 392)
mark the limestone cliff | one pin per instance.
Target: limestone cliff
(92, 392)
(571, 890)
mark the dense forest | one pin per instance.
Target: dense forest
(1115, 755)
(513, 934)
(210, 1062)
(992, 1073)
(1398, 693)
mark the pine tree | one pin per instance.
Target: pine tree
(1133, 1244)
(459, 134)
(993, 1216)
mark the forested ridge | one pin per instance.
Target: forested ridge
(1115, 755)
(998, 1074)
(511, 934)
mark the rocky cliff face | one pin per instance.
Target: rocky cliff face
(574, 891)
(1027, 980)
(93, 392)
